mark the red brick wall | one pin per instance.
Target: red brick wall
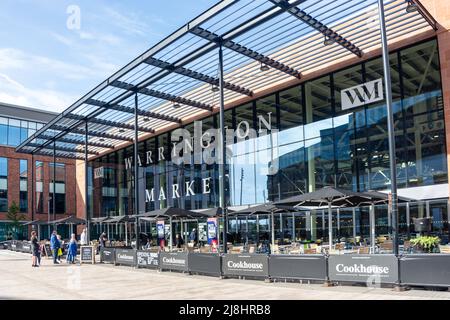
(14, 182)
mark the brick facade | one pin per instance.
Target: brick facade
(14, 183)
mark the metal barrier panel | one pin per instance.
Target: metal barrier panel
(207, 263)
(147, 259)
(107, 255)
(425, 269)
(125, 257)
(174, 261)
(254, 265)
(308, 267)
(379, 268)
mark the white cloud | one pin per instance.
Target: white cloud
(13, 92)
(11, 59)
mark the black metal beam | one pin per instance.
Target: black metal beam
(66, 149)
(122, 108)
(317, 25)
(212, 37)
(162, 95)
(50, 153)
(93, 133)
(196, 75)
(109, 123)
(74, 141)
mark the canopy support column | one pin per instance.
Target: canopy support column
(391, 129)
(330, 226)
(54, 179)
(86, 181)
(222, 164)
(136, 170)
(372, 227)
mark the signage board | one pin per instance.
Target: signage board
(381, 268)
(47, 250)
(212, 230)
(254, 265)
(87, 254)
(173, 261)
(147, 259)
(107, 255)
(307, 267)
(125, 257)
(362, 94)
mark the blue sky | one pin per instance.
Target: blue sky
(45, 64)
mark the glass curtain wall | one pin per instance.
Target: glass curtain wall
(299, 140)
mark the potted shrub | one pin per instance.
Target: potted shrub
(425, 244)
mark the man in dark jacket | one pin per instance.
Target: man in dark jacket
(193, 236)
(55, 245)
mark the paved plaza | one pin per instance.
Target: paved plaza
(101, 281)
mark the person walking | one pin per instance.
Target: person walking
(193, 236)
(61, 247)
(83, 238)
(102, 241)
(35, 249)
(72, 249)
(55, 246)
(178, 241)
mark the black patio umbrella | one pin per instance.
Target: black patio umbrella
(266, 208)
(173, 213)
(214, 212)
(120, 219)
(335, 197)
(327, 196)
(69, 220)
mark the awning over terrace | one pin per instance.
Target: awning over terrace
(266, 43)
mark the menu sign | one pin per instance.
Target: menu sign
(147, 259)
(87, 254)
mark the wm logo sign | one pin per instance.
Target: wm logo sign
(363, 94)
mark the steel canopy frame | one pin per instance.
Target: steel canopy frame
(182, 68)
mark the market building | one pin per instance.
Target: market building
(27, 180)
(304, 105)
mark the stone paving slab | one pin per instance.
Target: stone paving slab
(103, 281)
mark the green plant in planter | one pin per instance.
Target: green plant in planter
(426, 243)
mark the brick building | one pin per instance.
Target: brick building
(27, 179)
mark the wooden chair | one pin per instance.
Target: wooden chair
(363, 250)
(237, 250)
(275, 249)
(339, 246)
(387, 246)
(444, 249)
(205, 249)
(310, 251)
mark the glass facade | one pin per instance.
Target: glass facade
(39, 173)
(23, 174)
(14, 131)
(60, 187)
(311, 140)
(3, 184)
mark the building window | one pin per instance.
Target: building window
(60, 188)
(39, 165)
(3, 184)
(23, 174)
